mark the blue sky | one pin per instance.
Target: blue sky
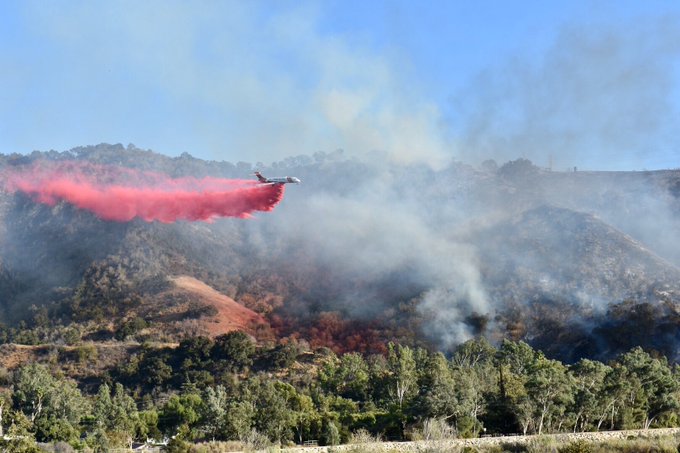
(592, 84)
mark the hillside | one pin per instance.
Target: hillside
(218, 314)
(359, 254)
(559, 274)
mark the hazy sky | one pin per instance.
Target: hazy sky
(594, 84)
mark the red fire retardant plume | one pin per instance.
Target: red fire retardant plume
(122, 194)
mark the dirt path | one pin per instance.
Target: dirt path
(456, 444)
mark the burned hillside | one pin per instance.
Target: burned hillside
(362, 253)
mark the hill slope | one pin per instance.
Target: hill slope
(355, 256)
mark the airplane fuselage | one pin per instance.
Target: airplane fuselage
(278, 180)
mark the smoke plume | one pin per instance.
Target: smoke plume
(123, 194)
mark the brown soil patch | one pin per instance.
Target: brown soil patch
(14, 355)
(230, 315)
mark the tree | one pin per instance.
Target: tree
(618, 392)
(653, 385)
(235, 349)
(33, 384)
(148, 425)
(194, 351)
(283, 355)
(403, 384)
(155, 372)
(240, 419)
(102, 405)
(518, 170)
(549, 388)
(180, 414)
(347, 376)
(305, 418)
(437, 398)
(471, 386)
(475, 377)
(588, 377)
(402, 381)
(130, 328)
(473, 353)
(214, 415)
(117, 415)
(54, 405)
(19, 439)
(511, 408)
(273, 416)
(331, 434)
(517, 356)
(5, 405)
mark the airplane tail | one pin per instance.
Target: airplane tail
(260, 177)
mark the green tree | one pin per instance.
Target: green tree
(474, 353)
(653, 387)
(240, 419)
(54, 405)
(180, 415)
(550, 390)
(513, 362)
(305, 418)
(403, 379)
(130, 328)
(155, 372)
(226, 416)
(5, 406)
(235, 350)
(214, 415)
(195, 352)
(518, 356)
(19, 439)
(148, 425)
(617, 393)
(475, 377)
(347, 376)
(99, 441)
(283, 355)
(117, 415)
(102, 406)
(437, 398)
(402, 382)
(331, 434)
(588, 377)
(471, 387)
(273, 418)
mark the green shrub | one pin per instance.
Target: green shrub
(580, 446)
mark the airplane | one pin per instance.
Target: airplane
(283, 180)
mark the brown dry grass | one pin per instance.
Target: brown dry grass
(230, 315)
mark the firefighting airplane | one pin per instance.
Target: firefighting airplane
(283, 180)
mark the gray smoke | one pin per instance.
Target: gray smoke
(378, 229)
(601, 99)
